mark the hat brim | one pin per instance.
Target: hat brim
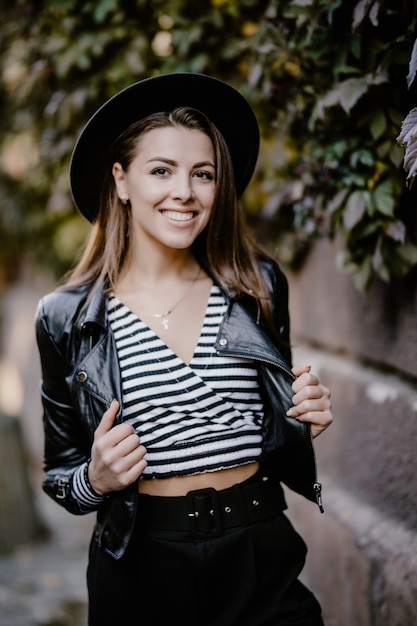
(222, 104)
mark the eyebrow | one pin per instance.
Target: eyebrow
(175, 163)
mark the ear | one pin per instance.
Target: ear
(119, 176)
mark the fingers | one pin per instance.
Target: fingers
(297, 370)
(126, 461)
(114, 434)
(304, 378)
(108, 418)
(311, 400)
(310, 396)
(117, 455)
(313, 397)
(125, 454)
(114, 467)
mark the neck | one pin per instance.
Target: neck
(160, 270)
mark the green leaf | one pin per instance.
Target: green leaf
(408, 130)
(378, 125)
(360, 12)
(396, 230)
(337, 201)
(348, 92)
(102, 9)
(362, 274)
(356, 47)
(410, 158)
(383, 198)
(383, 272)
(364, 157)
(408, 253)
(370, 228)
(354, 210)
(412, 66)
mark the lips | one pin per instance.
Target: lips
(178, 216)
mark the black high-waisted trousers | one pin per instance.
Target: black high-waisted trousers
(242, 575)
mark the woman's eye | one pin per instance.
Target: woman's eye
(204, 174)
(160, 171)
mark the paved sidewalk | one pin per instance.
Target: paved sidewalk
(43, 583)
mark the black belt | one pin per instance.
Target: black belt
(207, 512)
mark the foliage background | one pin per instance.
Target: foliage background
(327, 79)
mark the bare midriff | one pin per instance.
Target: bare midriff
(181, 485)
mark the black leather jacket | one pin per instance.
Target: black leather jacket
(81, 377)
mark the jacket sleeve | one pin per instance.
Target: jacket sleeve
(67, 444)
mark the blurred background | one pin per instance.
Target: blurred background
(331, 82)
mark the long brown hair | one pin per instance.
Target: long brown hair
(226, 246)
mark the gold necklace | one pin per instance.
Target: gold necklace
(164, 316)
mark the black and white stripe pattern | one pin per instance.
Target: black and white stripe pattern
(83, 491)
(204, 416)
(194, 418)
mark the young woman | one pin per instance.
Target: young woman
(170, 403)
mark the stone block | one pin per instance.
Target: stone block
(327, 311)
(361, 565)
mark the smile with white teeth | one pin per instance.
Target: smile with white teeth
(178, 216)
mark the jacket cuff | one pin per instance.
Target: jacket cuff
(82, 491)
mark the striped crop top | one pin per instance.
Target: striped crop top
(201, 417)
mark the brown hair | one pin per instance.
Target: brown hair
(225, 246)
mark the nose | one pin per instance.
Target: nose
(182, 188)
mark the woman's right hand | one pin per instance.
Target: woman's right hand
(117, 456)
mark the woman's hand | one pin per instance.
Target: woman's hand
(117, 456)
(311, 400)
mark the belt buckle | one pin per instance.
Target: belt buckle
(203, 512)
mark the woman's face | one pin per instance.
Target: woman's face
(171, 186)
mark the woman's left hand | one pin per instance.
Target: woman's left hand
(311, 400)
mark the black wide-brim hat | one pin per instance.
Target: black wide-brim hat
(220, 102)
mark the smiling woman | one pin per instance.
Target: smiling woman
(170, 403)
(172, 177)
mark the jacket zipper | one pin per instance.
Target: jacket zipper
(257, 358)
(317, 487)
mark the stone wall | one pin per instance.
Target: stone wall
(362, 559)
